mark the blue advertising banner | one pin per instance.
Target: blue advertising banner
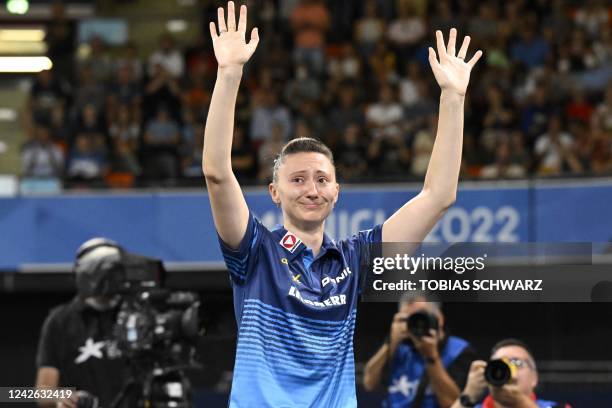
(178, 227)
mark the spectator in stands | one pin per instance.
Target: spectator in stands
(168, 56)
(310, 21)
(87, 162)
(350, 155)
(161, 143)
(129, 59)
(40, 157)
(244, 161)
(584, 142)
(384, 117)
(408, 84)
(161, 92)
(554, 150)
(601, 159)
(383, 63)
(484, 26)
(59, 126)
(345, 110)
(191, 148)
(407, 30)
(416, 114)
(60, 37)
(269, 150)
(317, 122)
(389, 155)
(369, 29)
(498, 115)
(503, 167)
(575, 54)
(267, 110)
(45, 94)
(443, 18)
(346, 64)
(592, 17)
(579, 107)
(125, 135)
(125, 91)
(535, 115)
(519, 392)
(195, 95)
(90, 125)
(530, 49)
(89, 91)
(422, 146)
(305, 86)
(603, 112)
(423, 371)
(98, 60)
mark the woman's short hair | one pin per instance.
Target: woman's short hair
(301, 145)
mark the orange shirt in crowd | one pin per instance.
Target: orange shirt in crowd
(310, 22)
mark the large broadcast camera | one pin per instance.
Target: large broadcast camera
(156, 329)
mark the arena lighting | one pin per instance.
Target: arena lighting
(22, 34)
(17, 6)
(24, 64)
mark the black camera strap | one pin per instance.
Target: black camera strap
(417, 402)
(420, 394)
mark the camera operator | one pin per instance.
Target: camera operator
(422, 366)
(75, 348)
(507, 387)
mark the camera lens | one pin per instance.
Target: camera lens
(420, 323)
(498, 372)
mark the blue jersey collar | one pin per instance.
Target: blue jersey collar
(292, 248)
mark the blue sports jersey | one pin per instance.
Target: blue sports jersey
(296, 317)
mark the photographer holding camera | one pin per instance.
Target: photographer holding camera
(76, 347)
(419, 363)
(510, 377)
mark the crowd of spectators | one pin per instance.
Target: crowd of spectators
(351, 73)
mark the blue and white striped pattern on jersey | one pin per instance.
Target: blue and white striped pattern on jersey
(237, 265)
(286, 360)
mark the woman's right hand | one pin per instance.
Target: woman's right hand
(231, 48)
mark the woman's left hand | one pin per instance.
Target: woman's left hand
(451, 71)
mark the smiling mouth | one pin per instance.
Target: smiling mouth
(311, 206)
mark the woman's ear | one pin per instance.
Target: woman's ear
(274, 194)
(337, 193)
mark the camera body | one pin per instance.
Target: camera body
(421, 322)
(158, 320)
(499, 372)
(156, 329)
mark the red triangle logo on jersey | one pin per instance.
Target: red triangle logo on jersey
(290, 242)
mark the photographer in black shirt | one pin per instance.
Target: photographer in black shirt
(76, 347)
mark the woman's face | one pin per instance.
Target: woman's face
(306, 188)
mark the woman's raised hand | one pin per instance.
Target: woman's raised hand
(231, 48)
(452, 72)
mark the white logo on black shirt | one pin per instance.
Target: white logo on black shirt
(90, 349)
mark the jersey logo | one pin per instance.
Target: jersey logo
(296, 278)
(90, 349)
(290, 242)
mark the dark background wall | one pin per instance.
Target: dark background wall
(555, 331)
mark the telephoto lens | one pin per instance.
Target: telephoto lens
(419, 323)
(86, 400)
(499, 372)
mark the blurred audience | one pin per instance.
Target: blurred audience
(361, 82)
